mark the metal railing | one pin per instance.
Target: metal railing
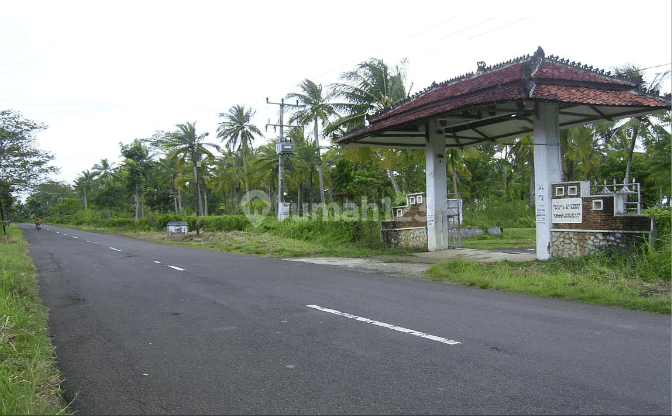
(628, 195)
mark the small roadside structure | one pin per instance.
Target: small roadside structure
(589, 219)
(409, 226)
(177, 227)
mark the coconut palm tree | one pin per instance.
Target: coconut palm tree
(104, 169)
(185, 145)
(317, 109)
(85, 183)
(639, 127)
(137, 165)
(238, 132)
(228, 178)
(371, 87)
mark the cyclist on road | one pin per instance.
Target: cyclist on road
(38, 224)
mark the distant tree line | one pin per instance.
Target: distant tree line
(184, 171)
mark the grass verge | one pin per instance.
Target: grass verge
(510, 237)
(29, 378)
(267, 244)
(597, 280)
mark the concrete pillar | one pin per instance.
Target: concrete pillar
(437, 199)
(547, 170)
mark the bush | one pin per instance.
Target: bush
(224, 223)
(327, 233)
(662, 218)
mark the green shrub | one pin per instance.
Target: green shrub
(661, 217)
(224, 223)
(327, 233)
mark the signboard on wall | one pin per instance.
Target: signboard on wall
(568, 211)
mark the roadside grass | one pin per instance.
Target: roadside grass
(510, 237)
(266, 244)
(29, 378)
(598, 280)
(258, 243)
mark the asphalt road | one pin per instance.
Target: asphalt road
(144, 328)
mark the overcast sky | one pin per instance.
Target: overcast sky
(103, 72)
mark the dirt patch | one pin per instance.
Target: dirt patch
(369, 265)
(661, 288)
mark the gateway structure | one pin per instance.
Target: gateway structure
(535, 95)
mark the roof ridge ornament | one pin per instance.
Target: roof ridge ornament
(539, 52)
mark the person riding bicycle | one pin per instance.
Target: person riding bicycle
(38, 224)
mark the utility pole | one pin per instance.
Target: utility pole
(283, 147)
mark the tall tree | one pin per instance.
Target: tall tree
(84, 183)
(238, 132)
(639, 127)
(228, 176)
(184, 144)
(657, 159)
(22, 163)
(317, 109)
(137, 166)
(104, 169)
(372, 86)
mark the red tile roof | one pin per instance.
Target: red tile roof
(525, 79)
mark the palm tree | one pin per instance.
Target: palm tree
(372, 86)
(523, 161)
(238, 132)
(168, 171)
(657, 158)
(228, 177)
(639, 126)
(104, 169)
(581, 155)
(85, 182)
(317, 108)
(184, 144)
(137, 166)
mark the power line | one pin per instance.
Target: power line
(656, 66)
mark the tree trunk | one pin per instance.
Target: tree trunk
(390, 174)
(310, 191)
(298, 199)
(205, 202)
(247, 185)
(452, 166)
(319, 163)
(2, 216)
(136, 198)
(631, 150)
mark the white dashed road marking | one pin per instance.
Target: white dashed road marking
(176, 268)
(384, 325)
(113, 249)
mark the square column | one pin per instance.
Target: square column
(437, 198)
(547, 170)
